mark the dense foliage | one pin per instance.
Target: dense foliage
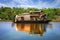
(7, 13)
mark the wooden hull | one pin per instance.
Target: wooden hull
(41, 21)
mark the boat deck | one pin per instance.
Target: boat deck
(41, 21)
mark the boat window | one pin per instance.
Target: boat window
(22, 18)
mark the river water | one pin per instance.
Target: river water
(22, 31)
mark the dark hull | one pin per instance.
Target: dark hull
(42, 21)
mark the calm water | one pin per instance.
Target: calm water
(13, 31)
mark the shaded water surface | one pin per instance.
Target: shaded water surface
(32, 31)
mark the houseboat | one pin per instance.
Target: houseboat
(32, 17)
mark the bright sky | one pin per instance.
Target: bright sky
(31, 3)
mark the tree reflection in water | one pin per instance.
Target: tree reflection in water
(32, 28)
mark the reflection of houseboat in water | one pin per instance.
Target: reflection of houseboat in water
(32, 28)
(35, 17)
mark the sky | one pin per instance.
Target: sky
(30, 3)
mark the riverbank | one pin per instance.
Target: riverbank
(6, 20)
(57, 19)
(54, 20)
